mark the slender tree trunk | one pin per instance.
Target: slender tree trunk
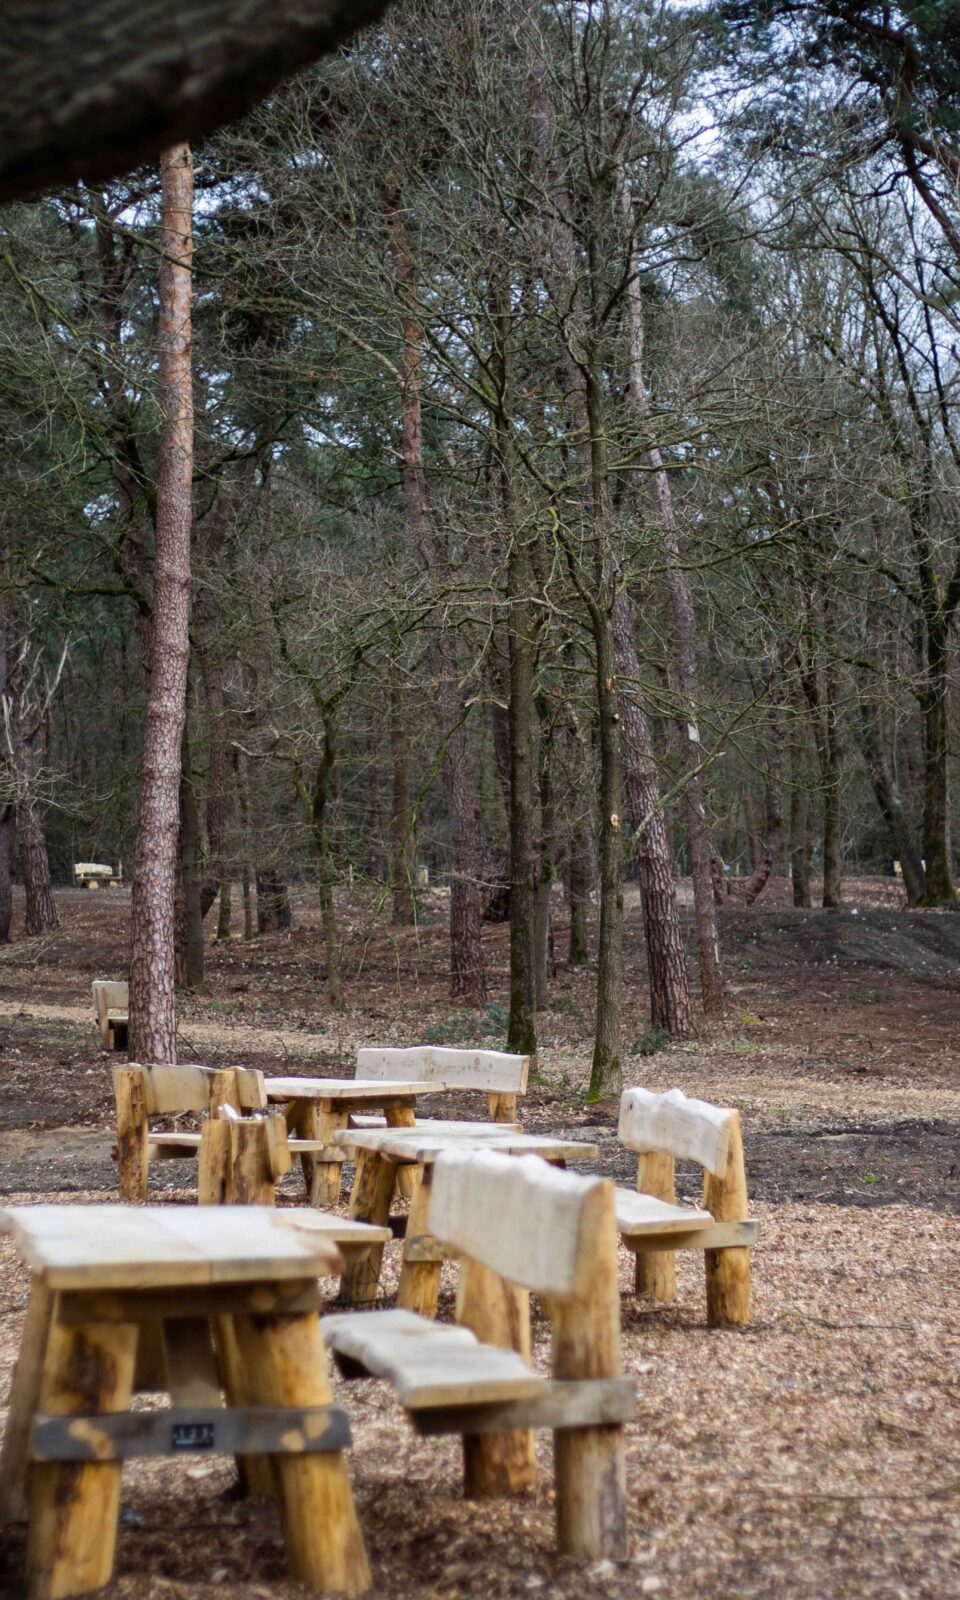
(315, 805)
(579, 878)
(873, 744)
(467, 974)
(670, 1007)
(152, 1034)
(6, 878)
(765, 849)
(224, 911)
(605, 1070)
(832, 823)
(544, 966)
(192, 964)
(211, 676)
(404, 865)
(40, 912)
(684, 631)
(936, 850)
(522, 1029)
(274, 912)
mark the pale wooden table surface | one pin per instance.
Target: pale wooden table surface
(371, 1092)
(152, 1247)
(422, 1145)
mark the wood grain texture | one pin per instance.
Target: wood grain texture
(496, 1464)
(656, 1270)
(690, 1130)
(24, 1400)
(430, 1364)
(286, 1365)
(132, 1130)
(728, 1271)
(492, 1070)
(74, 1505)
(419, 1287)
(92, 88)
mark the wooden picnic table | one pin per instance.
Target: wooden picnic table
(316, 1108)
(381, 1155)
(99, 1274)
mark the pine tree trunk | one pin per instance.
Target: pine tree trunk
(936, 851)
(684, 630)
(544, 966)
(605, 1070)
(467, 974)
(670, 1007)
(211, 676)
(404, 864)
(152, 1032)
(6, 879)
(40, 912)
(832, 824)
(522, 1028)
(192, 965)
(224, 911)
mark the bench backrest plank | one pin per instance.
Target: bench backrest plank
(168, 1091)
(527, 1221)
(689, 1130)
(492, 1070)
(109, 995)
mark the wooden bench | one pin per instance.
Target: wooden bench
(100, 1274)
(664, 1128)
(111, 1003)
(502, 1076)
(517, 1225)
(145, 1092)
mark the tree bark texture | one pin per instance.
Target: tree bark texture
(40, 912)
(92, 88)
(6, 879)
(685, 648)
(152, 1032)
(404, 845)
(874, 745)
(936, 852)
(670, 1007)
(467, 973)
(190, 967)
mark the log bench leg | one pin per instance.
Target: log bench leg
(728, 1271)
(285, 1364)
(656, 1270)
(132, 1134)
(496, 1464)
(419, 1288)
(321, 1178)
(369, 1202)
(24, 1398)
(74, 1504)
(590, 1463)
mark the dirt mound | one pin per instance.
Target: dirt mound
(921, 944)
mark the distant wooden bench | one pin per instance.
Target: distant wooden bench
(111, 1002)
(503, 1076)
(142, 1093)
(663, 1128)
(517, 1225)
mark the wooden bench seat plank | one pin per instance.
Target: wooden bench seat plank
(491, 1070)
(437, 1125)
(642, 1213)
(430, 1365)
(190, 1142)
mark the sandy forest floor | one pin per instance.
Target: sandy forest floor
(816, 1455)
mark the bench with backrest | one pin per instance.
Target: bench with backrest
(143, 1093)
(516, 1225)
(111, 1002)
(502, 1076)
(664, 1128)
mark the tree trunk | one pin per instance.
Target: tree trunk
(765, 848)
(211, 676)
(685, 646)
(832, 863)
(404, 865)
(193, 949)
(605, 1070)
(467, 974)
(40, 912)
(152, 1032)
(544, 965)
(579, 878)
(274, 913)
(885, 789)
(315, 805)
(936, 850)
(666, 963)
(6, 880)
(224, 911)
(522, 1028)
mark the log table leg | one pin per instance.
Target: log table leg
(420, 1273)
(285, 1364)
(313, 1119)
(369, 1202)
(499, 1314)
(403, 1117)
(24, 1395)
(74, 1504)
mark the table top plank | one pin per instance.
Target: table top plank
(422, 1145)
(153, 1247)
(372, 1090)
